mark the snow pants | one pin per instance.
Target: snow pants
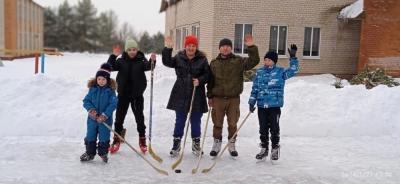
(268, 119)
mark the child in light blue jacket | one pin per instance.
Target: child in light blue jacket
(100, 103)
(267, 92)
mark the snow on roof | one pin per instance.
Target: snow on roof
(353, 10)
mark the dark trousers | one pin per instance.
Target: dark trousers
(137, 108)
(268, 119)
(195, 124)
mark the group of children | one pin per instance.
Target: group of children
(101, 100)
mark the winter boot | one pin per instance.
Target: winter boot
(232, 148)
(86, 157)
(275, 152)
(264, 151)
(196, 146)
(104, 158)
(90, 151)
(142, 144)
(102, 150)
(216, 147)
(176, 147)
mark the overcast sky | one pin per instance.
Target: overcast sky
(141, 14)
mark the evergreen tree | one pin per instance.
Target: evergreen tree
(108, 22)
(158, 43)
(65, 27)
(145, 43)
(86, 22)
(50, 34)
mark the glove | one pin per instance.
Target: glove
(93, 114)
(252, 108)
(292, 50)
(102, 118)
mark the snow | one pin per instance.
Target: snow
(353, 10)
(328, 135)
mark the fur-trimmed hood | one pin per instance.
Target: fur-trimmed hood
(92, 82)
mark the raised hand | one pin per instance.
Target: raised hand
(292, 50)
(249, 40)
(168, 42)
(116, 50)
(153, 56)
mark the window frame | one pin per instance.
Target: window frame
(277, 40)
(311, 43)
(243, 35)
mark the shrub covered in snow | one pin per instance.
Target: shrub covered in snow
(373, 77)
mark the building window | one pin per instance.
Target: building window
(240, 31)
(311, 41)
(178, 40)
(277, 39)
(184, 34)
(196, 32)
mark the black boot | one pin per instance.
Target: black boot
(86, 157)
(176, 147)
(264, 151)
(275, 152)
(102, 150)
(90, 151)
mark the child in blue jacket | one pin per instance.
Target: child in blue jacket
(267, 92)
(100, 103)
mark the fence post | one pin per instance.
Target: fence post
(36, 63)
(42, 63)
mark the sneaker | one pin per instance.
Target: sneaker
(232, 148)
(275, 152)
(216, 147)
(196, 146)
(142, 144)
(86, 157)
(176, 147)
(104, 158)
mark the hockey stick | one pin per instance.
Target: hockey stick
(194, 171)
(136, 151)
(226, 146)
(152, 153)
(186, 131)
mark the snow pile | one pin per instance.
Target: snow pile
(353, 10)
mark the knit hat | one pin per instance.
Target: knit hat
(104, 71)
(225, 41)
(191, 40)
(130, 43)
(272, 56)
